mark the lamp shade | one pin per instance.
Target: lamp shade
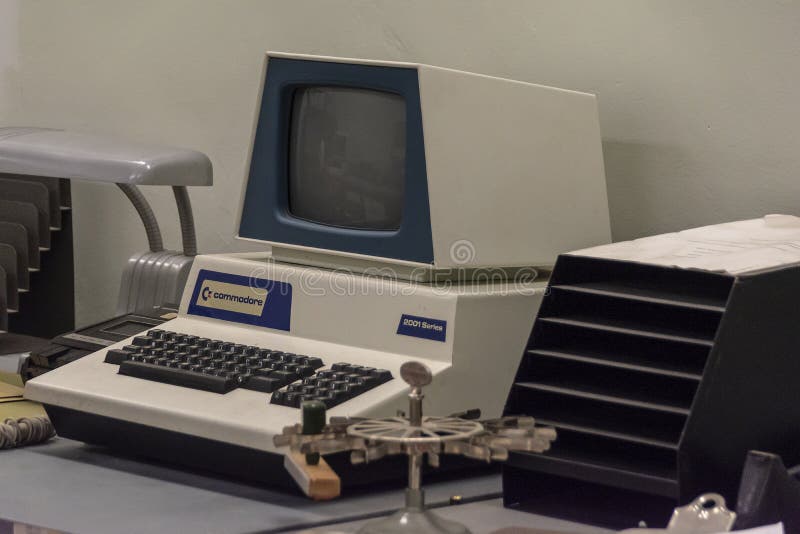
(62, 154)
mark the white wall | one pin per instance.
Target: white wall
(698, 100)
(9, 54)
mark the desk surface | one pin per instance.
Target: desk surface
(84, 490)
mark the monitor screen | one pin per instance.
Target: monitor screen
(347, 150)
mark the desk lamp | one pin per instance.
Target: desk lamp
(149, 278)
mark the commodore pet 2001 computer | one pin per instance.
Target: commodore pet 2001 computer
(408, 208)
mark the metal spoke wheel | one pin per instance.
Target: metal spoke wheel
(399, 430)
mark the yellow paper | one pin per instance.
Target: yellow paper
(9, 390)
(10, 378)
(23, 408)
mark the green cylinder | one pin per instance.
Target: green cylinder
(313, 423)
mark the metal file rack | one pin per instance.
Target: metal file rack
(658, 381)
(36, 241)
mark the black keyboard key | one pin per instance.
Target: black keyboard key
(340, 385)
(305, 370)
(314, 362)
(254, 361)
(275, 356)
(279, 397)
(264, 372)
(292, 399)
(306, 397)
(177, 377)
(156, 333)
(286, 376)
(358, 385)
(116, 356)
(332, 399)
(241, 378)
(382, 375)
(325, 374)
(340, 366)
(141, 341)
(264, 384)
(370, 381)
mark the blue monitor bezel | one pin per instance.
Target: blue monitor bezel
(265, 208)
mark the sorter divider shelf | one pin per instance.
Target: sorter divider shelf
(47, 309)
(657, 379)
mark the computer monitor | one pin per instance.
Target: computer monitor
(361, 164)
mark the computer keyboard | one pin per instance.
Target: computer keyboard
(221, 366)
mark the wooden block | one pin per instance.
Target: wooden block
(319, 482)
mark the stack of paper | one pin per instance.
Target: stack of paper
(736, 247)
(14, 406)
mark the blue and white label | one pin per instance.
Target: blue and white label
(242, 299)
(424, 327)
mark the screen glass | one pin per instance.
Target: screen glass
(347, 150)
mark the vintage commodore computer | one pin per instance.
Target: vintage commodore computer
(412, 213)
